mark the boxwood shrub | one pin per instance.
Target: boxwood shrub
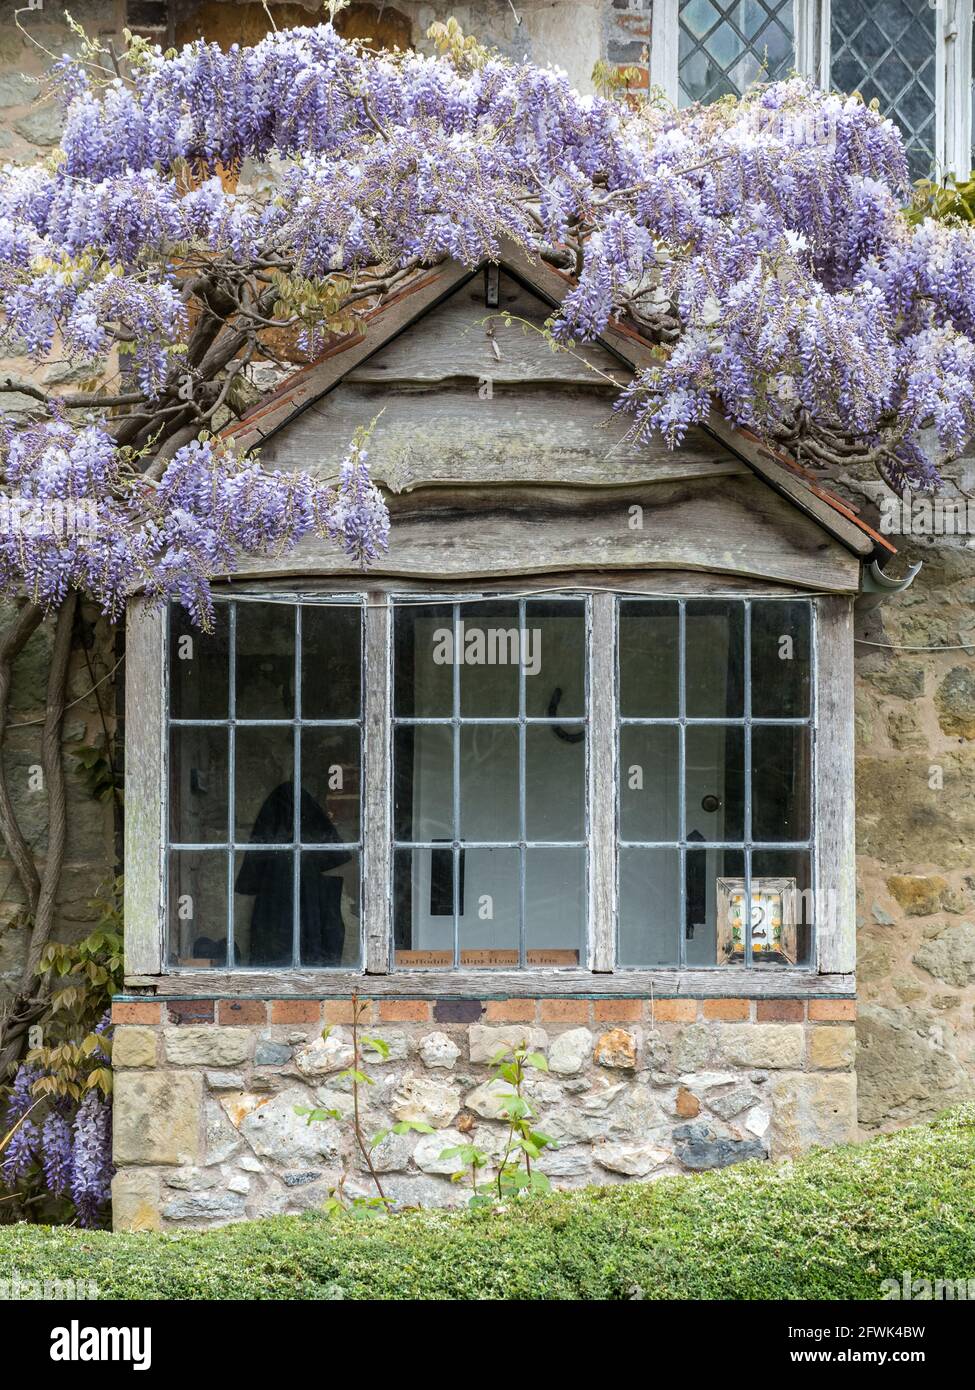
(832, 1224)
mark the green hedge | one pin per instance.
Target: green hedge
(833, 1224)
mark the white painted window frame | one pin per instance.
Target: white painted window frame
(145, 838)
(953, 86)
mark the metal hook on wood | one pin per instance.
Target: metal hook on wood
(553, 708)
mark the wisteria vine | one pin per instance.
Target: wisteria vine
(760, 246)
(118, 529)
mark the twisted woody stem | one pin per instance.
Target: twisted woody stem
(41, 881)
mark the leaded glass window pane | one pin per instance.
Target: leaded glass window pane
(490, 751)
(725, 48)
(493, 782)
(887, 52)
(715, 787)
(270, 701)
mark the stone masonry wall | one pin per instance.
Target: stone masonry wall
(915, 786)
(206, 1130)
(29, 130)
(574, 34)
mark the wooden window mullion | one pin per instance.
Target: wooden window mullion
(834, 824)
(146, 794)
(377, 789)
(602, 784)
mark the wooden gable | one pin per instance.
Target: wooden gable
(503, 458)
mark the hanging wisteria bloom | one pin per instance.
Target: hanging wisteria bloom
(58, 1146)
(61, 1145)
(86, 520)
(103, 1030)
(91, 1165)
(18, 1129)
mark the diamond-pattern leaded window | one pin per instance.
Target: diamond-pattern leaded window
(724, 48)
(888, 51)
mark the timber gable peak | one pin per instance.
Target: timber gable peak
(437, 335)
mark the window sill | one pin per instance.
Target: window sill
(728, 982)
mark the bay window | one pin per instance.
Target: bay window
(723, 48)
(888, 53)
(492, 783)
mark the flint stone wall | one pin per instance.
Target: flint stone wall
(206, 1129)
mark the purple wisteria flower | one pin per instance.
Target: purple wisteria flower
(103, 1029)
(23, 1146)
(760, 245)
(57, 1144)
(91, 1165)
(70, 1143)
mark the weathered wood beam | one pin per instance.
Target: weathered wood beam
(719, 983)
